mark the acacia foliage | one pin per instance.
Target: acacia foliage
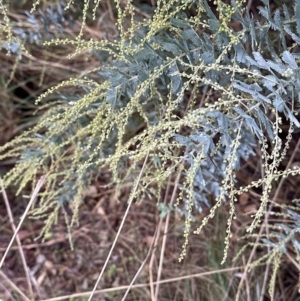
(184, 89)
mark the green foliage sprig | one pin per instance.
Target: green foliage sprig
(192, 94)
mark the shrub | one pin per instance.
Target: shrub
(186, 94)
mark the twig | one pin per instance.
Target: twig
(120, 228)
(156, 239)
(111, 14)
(247, 285)
(7, 292)
(165, 281)
(295, 263)
(21, 252)
(249, 4)
(237, 298)
(264, 286)
(13, 286)
(152, 247)
(161, 258)
(35, 192)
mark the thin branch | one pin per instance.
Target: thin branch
(165, 281)
(152, 247)
(13, 286)
(161, 258)
(120, 228)
(237, 297)
(35, 192)
(156, 239)
(21, 252)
